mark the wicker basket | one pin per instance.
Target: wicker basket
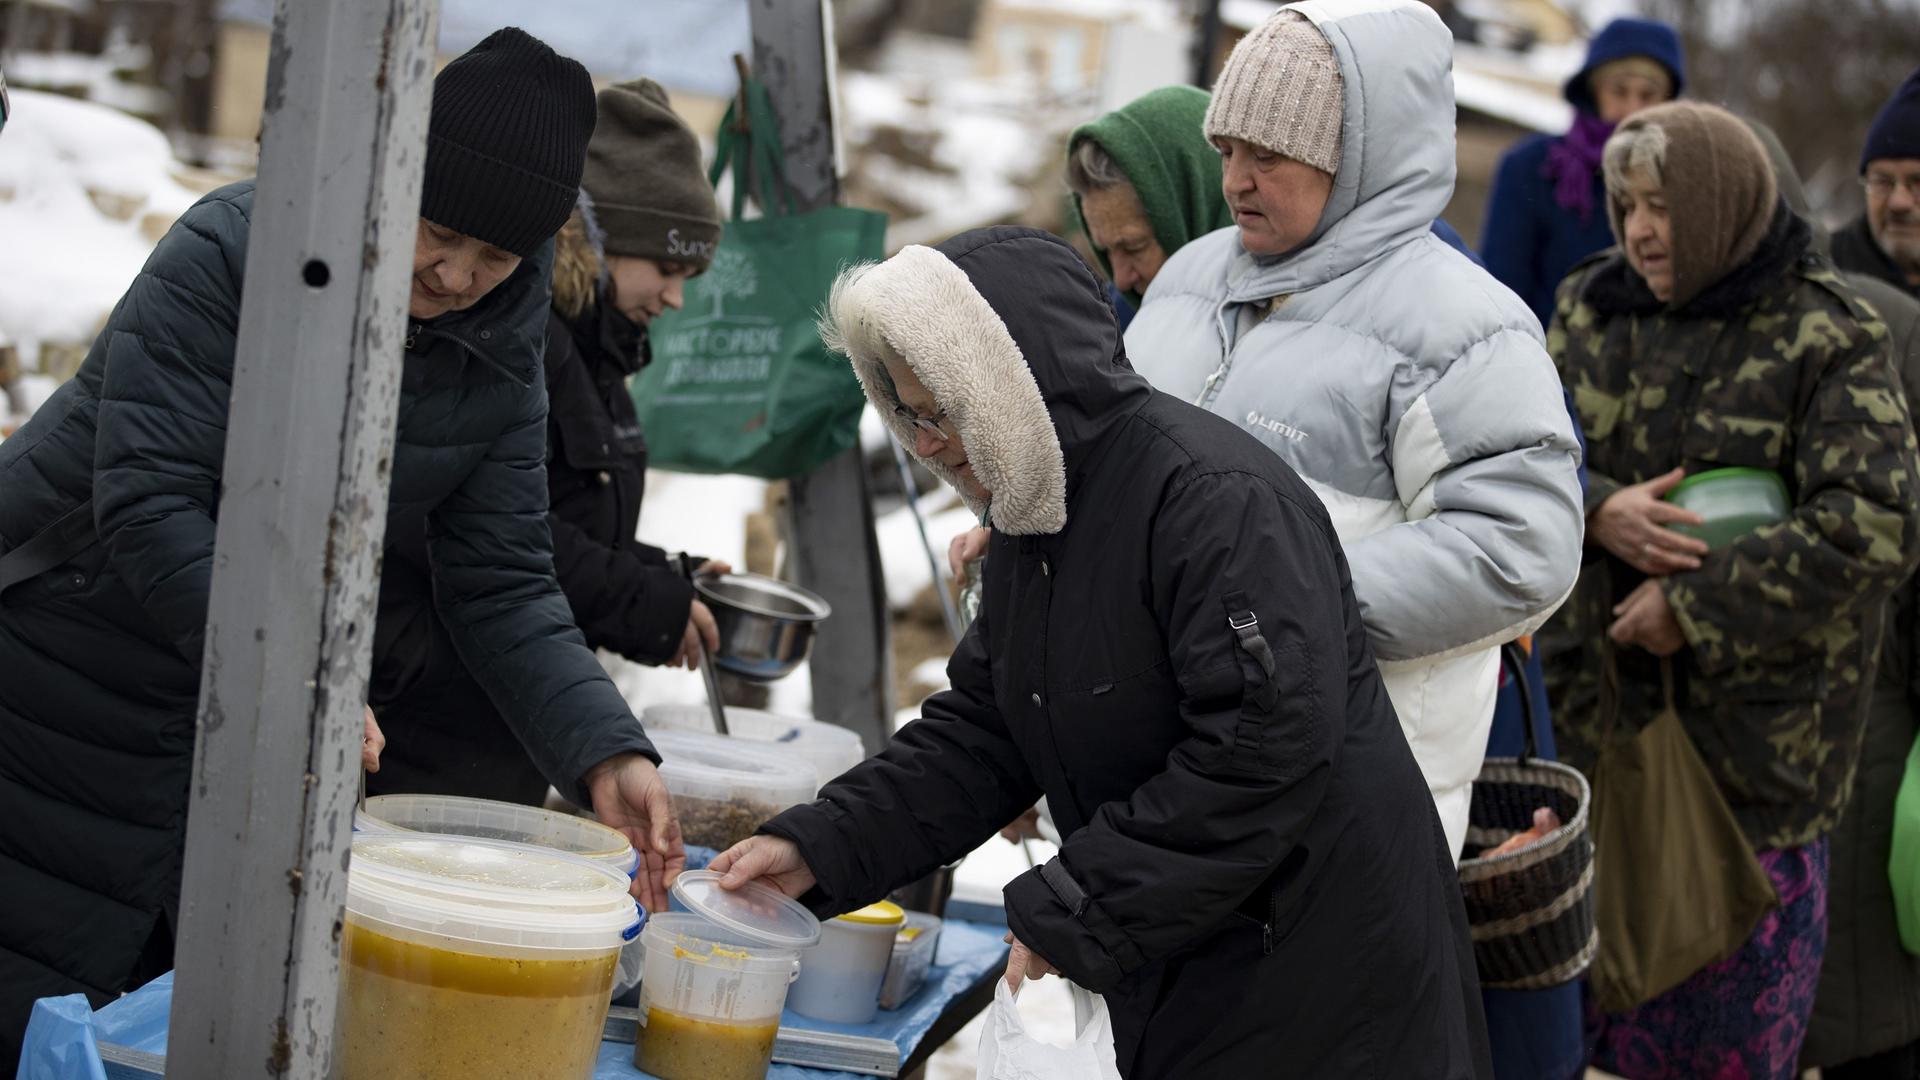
(1531, 910)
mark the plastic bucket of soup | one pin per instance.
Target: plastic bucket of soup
(455, 815)
(716, 979)
(840, 977)
(1734, 502)
(467, 957)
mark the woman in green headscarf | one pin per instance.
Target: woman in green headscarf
(1145, 181)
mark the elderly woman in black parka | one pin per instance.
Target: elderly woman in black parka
(1169, 649)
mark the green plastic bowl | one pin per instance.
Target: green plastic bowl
(1734, 502)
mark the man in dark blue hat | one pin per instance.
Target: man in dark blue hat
(1885, 241)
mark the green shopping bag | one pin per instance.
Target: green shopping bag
(739, 381)
(1904, 865)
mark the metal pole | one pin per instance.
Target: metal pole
(296, 556)
(1205, 43)
(835, 552)
(947, 611)
(16, 29)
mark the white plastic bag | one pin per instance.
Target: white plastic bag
(1007, 1052)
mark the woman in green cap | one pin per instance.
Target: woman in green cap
(1145, 181)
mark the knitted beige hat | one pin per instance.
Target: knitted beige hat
(1281, 89)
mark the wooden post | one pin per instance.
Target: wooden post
(296, 556)
(835, 552)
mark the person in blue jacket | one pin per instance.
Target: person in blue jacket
(1548, 206)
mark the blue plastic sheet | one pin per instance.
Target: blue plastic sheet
(60, 1041)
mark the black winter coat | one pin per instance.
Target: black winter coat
(100, 657)
(1857, 252)
(1869, 996)
(1254, 874)
(443, 734)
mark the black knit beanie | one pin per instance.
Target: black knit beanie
(1896, 130)
(506, 141)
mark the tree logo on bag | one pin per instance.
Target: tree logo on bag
(732, 274)
(712, 357)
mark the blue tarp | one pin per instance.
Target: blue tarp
(60, 1038)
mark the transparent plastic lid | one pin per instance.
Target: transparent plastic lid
(703, 765)
(753, 911)
(489, 820)
(489, 891)
(829, 748)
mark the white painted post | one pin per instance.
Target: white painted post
(302, 517)
(835, 551)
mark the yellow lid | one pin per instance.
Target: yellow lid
(884, 913)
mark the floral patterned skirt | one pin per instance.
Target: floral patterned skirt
(1745, 1017)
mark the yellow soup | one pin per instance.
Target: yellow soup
(675, 1047)
(410, 1011)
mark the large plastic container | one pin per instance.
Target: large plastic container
(1734, 502)
(465, 957)
(829, 748)
(458, 816)
(840, 977)
(716, 980)
(914, 948)
(725, 788)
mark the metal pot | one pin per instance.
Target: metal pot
(766, 626)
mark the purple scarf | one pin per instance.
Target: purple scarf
(1572, 162)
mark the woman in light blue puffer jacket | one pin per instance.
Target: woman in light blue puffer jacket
(1408, 387)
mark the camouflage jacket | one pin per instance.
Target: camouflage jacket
(1778, 366)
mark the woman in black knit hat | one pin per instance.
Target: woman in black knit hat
(102, 654)
(645, 222)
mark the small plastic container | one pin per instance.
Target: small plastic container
(464, 957)
(1734, 502)
(913, 952)
(454, 815)
(840, 977)
(716, 979)
(725, 788)
(829, 748)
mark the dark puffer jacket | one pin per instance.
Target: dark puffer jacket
(1869, 996)
(443, 734)
(1254, 874)
(100, 657)
(1857, 252)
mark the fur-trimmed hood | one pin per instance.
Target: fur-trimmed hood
(1014, 337)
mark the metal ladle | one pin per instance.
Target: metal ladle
(711, 677)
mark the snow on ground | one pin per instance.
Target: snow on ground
(904, 557)
(987, 139)
(65, 261)
(37, 389)
(931, 673)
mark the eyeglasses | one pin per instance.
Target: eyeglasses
(1881, 185)
(929, 424)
